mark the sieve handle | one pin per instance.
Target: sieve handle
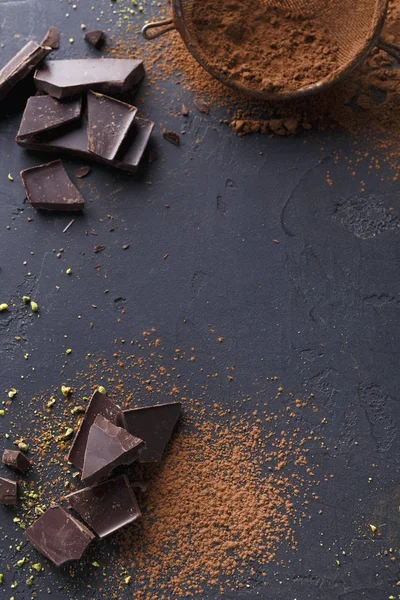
(166, 25)
(389, 48)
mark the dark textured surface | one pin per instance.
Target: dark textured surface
(320, 308)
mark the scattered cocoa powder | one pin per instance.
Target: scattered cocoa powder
(264, 47)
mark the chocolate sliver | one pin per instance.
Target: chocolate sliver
(59, 536)
(16, 460)
(48, 187)
(108, 447)
(8, 491)
(44, 113)
(107, 506)
(109, 122)
(75, 143)
(51, 39)
(95, 37)
(19, 67)
(65, 78)
(99, 405)
(153, 425)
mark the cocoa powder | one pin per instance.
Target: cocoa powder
(264, 47)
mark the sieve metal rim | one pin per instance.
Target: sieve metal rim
(178, 22)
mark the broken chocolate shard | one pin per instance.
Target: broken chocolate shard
(173, 137)
(106, 507)
(99, 405)
(95, 37)
(109, 122)
(44, 113)
(65, 78)
(51, 39)
(16, 460)
(108, 446)
(59, 536)
(8, 491)
(48, 187)
(82, 172)
(153, 425)
(20, 66)
(75, 143)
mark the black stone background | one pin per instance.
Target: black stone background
(320, 309)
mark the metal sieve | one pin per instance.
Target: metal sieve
(354, 25)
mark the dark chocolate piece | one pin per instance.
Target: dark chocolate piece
(76, 142)
(16, 460)
(82, 172)
(44, 113)
(65, 78)
(59, 536)
(173, 137)
(106, 507)
(99, 405)
(108, 447)
(8, 491)
(19, 67)
(201, 106)
(95, 37)
(51, 39)
(153, 425)
(48, 187)
(109, 122)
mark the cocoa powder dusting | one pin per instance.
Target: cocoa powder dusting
(266, 48)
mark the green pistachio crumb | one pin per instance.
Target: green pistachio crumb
(77, 409)
(14, 585)
(128, 579)
(22, 446)
(34, 306)
(25, 299)
(51, 402)
(95, 563)
(13, 392)
(37, 567)
(68, 433)
(29, 581)
(68, 351)
(68, 271)
(3, 307)
(65, 390)
(21, 562)
(2, 413)
(1, 577)
(10, 177)
(102, 390)
(26, 356)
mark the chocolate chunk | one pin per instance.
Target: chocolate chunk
(106, 507)
(65, 78)
(75, 142)
(48, 187)
(99, 405)
(59, 536)
(153, 425)
(108, 447)
(201, 106)
(51, 39)
(173, 137)
(8, 491)
(16, 460)
(20, 66)
(82, 172)
(95, 38)
(109, 122)
(44, 113)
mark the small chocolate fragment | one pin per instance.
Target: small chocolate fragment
(108, 447)
(20, 66)
(75, 142)
(8, 491)
(59, 536)
(184, 111)
(44, 113)
(48, 187)
(65, 78)
(172, 136)
(201, 106)
(109, 122)
(16, 460)
(51, 39)
(153, 425)
(82, 172)
(106, 507)
(95, 37)
(99, 405)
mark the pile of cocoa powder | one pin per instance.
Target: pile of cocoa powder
(265, 47)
